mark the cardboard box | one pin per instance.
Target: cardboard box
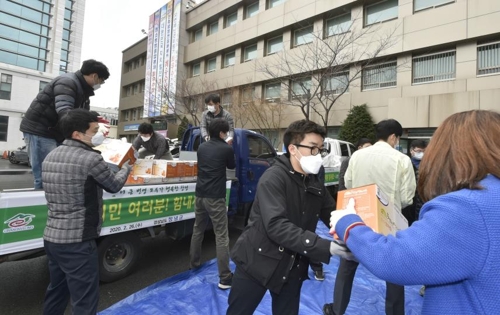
(116, 152)
(160, 168)
(190, 167)
(375, 208)
(144, 179)
(143, 167)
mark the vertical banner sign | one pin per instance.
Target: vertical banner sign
(166, 58)
(174, 52)
(148, 66)
(154, 66)
(160, 92)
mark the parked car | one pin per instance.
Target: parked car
(19, 156)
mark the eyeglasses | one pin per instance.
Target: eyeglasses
(314, 150)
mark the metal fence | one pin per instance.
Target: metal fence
(488, 58)
(434, 67)
(380, 76)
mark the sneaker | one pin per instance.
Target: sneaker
(328, 309)
(319, 275)
(225, 284)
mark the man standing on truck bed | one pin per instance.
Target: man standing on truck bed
(274, 250)
(214, 157)
(74, 176)
(66, 92)
(214, 110)
(153, 143)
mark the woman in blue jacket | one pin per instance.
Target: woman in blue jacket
(454, 248)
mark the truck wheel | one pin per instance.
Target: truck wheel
(118, 255)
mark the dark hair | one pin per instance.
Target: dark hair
(78, 119)
(217, 126)
(362, 142)
(146, 128)
(463, 150)
(418, 144)
(93, 66)
(297, 131)
(387, 127)
(214, 98)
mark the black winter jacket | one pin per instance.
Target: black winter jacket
(282, 222)
(67, 91)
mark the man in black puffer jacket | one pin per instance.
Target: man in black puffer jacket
(64, 93)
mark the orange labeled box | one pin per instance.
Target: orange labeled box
(189, 168)
(375, 208)
(143, 167)
(116, 152)
(160, 168)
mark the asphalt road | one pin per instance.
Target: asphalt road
(23, 283)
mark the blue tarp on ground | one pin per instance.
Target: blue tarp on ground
(196, 292)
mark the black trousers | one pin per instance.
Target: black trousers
(246, 294)
(394, 297)
(74, 272)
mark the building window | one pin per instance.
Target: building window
(127, 115)
(4, 126)
(197, 35)
(428, 4)
(300, 87)
(435, 67)
(379, 76)
(488, 58)
(134, 114)
(247, 94)
(252, 10)
(303, 36)
(273, 3)
(42, 85)
(250, 52)
(338, 25)
(231, 19)
(196, 70)
(272, 92)
(136, 88)
(213, 28)
(381, 11)
(274, 45)
(229, 59)
(141, 86)
(227, 99)
(211, 64)
(337, 83)
(5, 86)
(128, 90)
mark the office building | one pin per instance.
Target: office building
(439, 57)
(39, 39)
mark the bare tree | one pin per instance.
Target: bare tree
(322, 67)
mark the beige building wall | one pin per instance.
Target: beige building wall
(459, 26)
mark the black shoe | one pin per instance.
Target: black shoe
(328, 309)
(319, 275)
(225, 284)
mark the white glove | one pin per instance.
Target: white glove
(336, 215)
(338, 248)
(104, 128)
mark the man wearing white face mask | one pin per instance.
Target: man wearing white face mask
(214, 110)
(392, 171)
(417, 150)
(152, 143)
(273, 252)
(64, 93)
(74, 176)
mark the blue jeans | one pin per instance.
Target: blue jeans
(38, 148)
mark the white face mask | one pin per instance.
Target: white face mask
(96, 86)
(418, 155)
(311, 163)
(211, 108)
(145, 139)
(96, 139)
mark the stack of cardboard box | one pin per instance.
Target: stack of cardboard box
(148, 171)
